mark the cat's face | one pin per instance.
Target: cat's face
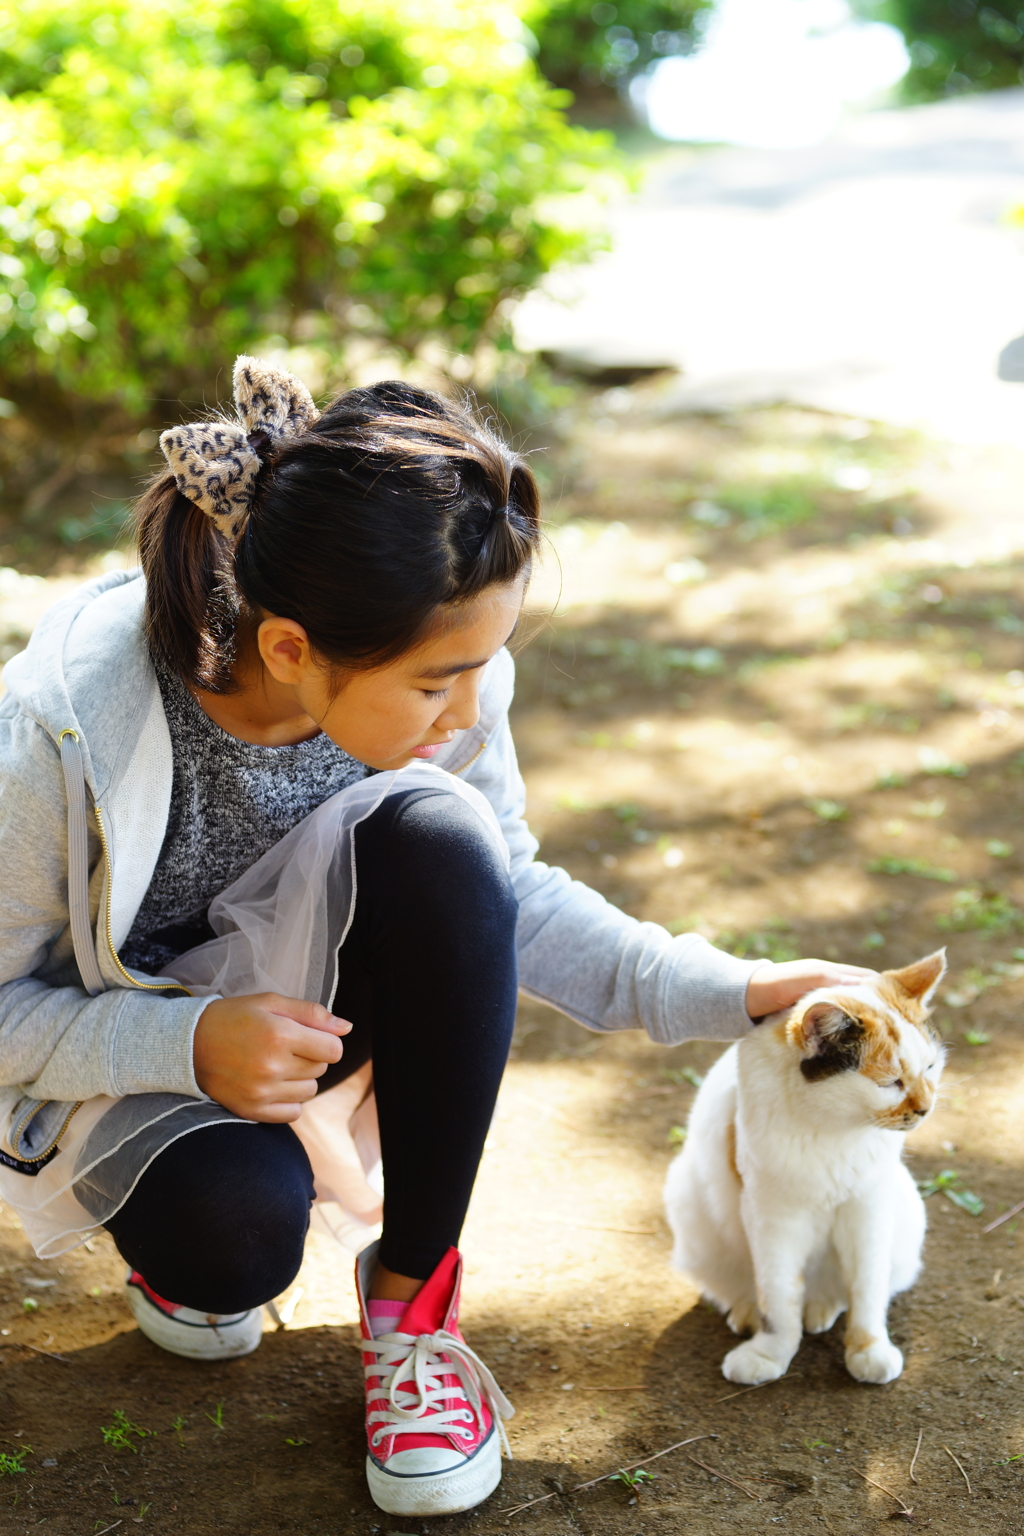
(873, 1046)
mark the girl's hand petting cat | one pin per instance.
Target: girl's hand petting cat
(260, 1056)
(773, 986)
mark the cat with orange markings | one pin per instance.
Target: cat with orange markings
(790, 1202)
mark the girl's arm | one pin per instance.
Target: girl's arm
(594, 962)
(597, 964)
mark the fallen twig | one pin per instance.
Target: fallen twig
(1014, 1211)
(107, 1528)
(905, 1509)
(593, 1226)
(515, 1510)
(640, 1388)
(727, 1479)
(917, 1449)
(963, 1474)
(755, 1388)
(50, 1355)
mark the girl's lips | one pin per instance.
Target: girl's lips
(428, 751)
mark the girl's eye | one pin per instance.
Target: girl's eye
(436, 693)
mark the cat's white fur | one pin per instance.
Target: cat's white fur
(790, 1202)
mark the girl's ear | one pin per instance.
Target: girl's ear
(284, 649)
(920, 979)
(828, 1038)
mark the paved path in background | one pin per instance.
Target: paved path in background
(874, 274)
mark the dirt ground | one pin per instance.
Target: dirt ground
(783, 702)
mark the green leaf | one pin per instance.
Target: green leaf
(937, 1181)
(120, 1432)
(683, 1075)
(888, 865)
(966, 1200)
(12, 1463)
(983, 911)
(828, 810)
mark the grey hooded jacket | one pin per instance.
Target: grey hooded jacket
(87, 669)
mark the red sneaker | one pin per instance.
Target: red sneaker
(433, 1409)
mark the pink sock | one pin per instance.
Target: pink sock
(385, 1316)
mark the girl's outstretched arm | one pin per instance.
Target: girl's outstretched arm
(594, 962)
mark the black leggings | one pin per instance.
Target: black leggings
(428, 978)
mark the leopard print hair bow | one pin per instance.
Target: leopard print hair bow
(215, 463)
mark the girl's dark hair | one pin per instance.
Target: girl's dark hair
(393, 505)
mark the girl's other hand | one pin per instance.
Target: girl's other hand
(774, 986)
(261, 1056)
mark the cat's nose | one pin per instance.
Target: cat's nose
(919, 1111)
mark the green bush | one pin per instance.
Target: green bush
(955, 45)
(181, 179)
(585, 46)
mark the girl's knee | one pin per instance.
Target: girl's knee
(435, 836)
(218, 1221)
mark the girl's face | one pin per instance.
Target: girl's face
(410, 708)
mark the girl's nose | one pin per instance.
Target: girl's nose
(463, 707)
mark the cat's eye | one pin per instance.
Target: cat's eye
(897, 1082)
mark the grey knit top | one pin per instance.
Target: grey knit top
(231, 800)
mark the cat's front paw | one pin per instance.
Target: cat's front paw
(748, 1366)
(876, 1361)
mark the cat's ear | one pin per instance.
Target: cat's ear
(920, 979)
(829, 1039)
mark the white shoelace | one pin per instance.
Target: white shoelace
(401, 1356)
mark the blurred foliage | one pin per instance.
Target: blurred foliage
(181, 179)
(596, 49)
(773, 940)
(955, 45)
(982, 911)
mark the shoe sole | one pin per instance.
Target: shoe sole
(437, 1493)
(196, 1341)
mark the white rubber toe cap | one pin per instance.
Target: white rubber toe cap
(435, 1492)
(196, 1335)
(425, 1458)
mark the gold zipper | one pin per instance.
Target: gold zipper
(16, 1132)
(144, 986)
(456, 771)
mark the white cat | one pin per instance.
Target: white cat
(789, 1202)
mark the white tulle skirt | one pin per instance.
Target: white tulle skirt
(66, 1168)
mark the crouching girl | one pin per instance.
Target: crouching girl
(262, 836)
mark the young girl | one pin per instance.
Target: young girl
(274, 767)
